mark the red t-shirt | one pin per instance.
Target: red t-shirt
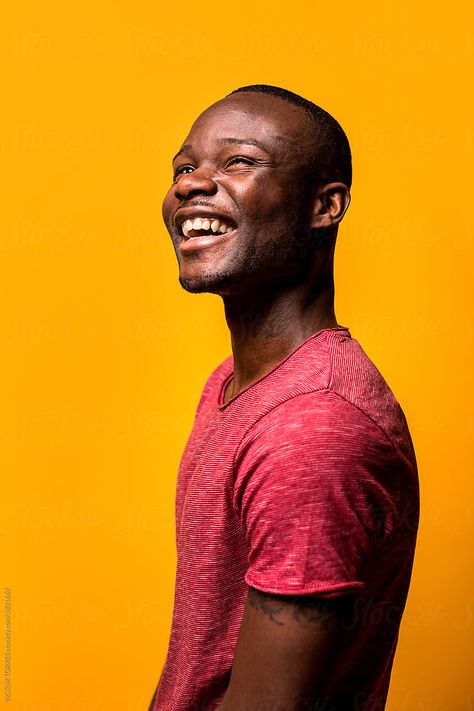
(304, 482)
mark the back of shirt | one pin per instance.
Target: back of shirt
(305, 482)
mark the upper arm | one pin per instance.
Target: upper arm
(315, 492)
(285, 648)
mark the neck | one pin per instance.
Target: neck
(268, 326)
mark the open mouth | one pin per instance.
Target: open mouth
(205, 226)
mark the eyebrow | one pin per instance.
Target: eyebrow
(182, 150)
(242, 141)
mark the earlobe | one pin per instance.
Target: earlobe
(330, 205)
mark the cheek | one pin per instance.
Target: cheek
(167, 204)
(271, 211)
(257, 198)
(266, 199)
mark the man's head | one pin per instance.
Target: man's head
(268, 174)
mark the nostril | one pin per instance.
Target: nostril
(189, 191)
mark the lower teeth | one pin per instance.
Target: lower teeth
(208, 234)
(204, 234)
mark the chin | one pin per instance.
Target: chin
(207, 283)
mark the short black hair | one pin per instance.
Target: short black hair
(332, 153)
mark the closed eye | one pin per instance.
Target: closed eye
(240, 159)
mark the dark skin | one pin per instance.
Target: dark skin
(285, 650)
(248, 160)
(273, 298)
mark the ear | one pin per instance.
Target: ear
(330, 204)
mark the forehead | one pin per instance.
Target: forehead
(271, 121)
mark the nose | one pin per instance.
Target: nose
(198, 182)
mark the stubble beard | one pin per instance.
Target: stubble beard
(276, 258)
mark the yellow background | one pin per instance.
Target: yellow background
(104, 356)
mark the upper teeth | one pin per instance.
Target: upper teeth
(205, 223)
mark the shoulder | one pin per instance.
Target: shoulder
(312, 422)
(320, 461)
(356, 379)
(321, 442)
(332, 361)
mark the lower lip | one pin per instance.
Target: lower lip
(196, 244)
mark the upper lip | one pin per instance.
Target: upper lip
(186, 213)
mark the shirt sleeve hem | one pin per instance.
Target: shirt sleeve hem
(327, 589)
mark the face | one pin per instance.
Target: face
(240, 201)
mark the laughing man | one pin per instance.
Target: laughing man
(297, 493)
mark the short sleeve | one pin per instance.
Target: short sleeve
(316, 490)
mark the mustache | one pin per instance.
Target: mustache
(197, 203)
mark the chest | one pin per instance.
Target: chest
(205, 515)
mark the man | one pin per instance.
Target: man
(297, 493)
